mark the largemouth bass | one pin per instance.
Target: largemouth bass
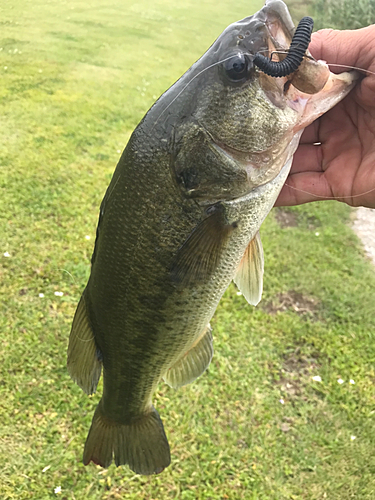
(180, 220)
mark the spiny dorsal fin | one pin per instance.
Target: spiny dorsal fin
(199, 255)
(193, 363)
(84, 364)
(249, 277)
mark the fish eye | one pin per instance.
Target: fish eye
(237, 67)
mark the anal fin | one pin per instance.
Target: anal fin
(249, 277)
(193, 363)
(84, 364)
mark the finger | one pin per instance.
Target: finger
(350, 47)
(304, 187)
(307, 158)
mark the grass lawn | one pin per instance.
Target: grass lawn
(76, 78)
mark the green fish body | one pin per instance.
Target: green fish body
(178, 223)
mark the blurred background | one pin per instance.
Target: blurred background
(286, 409)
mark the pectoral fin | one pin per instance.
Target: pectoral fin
(249, 277)
(199, 256)
(193, 363)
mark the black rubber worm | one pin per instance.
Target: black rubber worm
(297, 49)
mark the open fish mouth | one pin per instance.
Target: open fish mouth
(310, 88)
(309, 78)
(303, 95)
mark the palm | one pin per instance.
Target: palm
(342, 166)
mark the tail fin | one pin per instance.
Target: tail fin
(142, 444)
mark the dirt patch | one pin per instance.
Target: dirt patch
(364, 227)
(296, 371)
(298, 363)
(285, 218)
(293, 301)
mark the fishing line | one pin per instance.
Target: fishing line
(190, 81)
(246, 53)
(196, 76)
(329, 197)
(67, 272)
(346, 66)
(109, 194)
(337, 197)
(85, 340)
(351, 67)
(286, 51)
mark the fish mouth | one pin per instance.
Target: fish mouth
(251, 127)
(309, 78)
(308, 92)
(311, 83)
(277, 28)
(263, 166)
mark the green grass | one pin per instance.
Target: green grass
(343, 14)
(79, 76)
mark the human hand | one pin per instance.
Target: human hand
(342, 167)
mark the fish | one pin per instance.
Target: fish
(180, 220)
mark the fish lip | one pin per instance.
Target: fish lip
(279, 24)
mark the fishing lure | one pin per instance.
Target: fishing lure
(297, 49)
